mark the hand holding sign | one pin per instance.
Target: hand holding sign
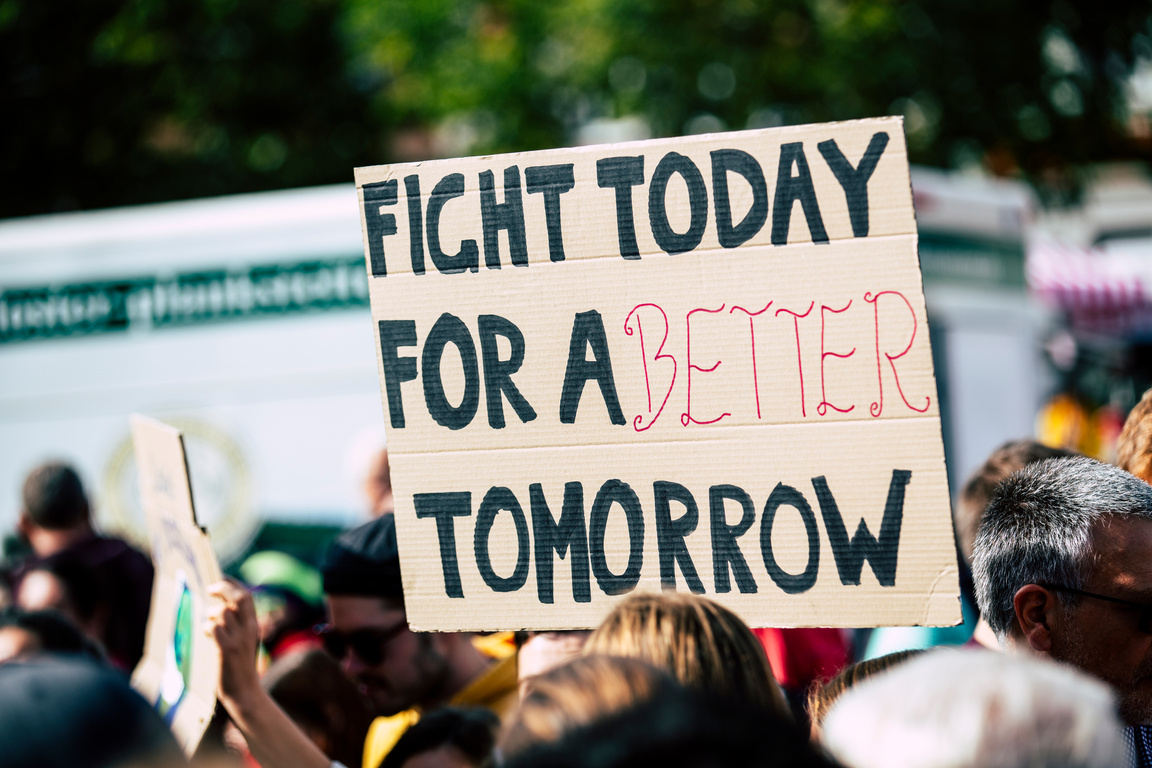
(231, 622)
(271, 735)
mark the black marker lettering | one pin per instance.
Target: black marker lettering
(397, 370)
(588, 331)
(670, 535)
(879, 552)
(449, 187)
(450, 329)
(568, 536)
(725, 551)
(508, 215)
(379, 225)
(616, 492)
(668, 239)
(785, 495)
(415, 223)
(551, 181)
(621, 174)
(498, 373)
(738, 161)
(791, 188)
(497, 500)
(444, 507)
(855, 180)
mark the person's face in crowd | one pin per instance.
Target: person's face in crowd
(16, 643)
(402, 668)
(43, 591)
(1103, 638)
(544, 651)
(378, 486)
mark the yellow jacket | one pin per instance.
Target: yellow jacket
(496, 690)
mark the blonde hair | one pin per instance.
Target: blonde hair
(703, 645)
(821, 697)
(579, 693)
(1134, 448)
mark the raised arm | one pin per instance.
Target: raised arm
(274, 740)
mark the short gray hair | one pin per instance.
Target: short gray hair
(976, 709)
(1038, 529)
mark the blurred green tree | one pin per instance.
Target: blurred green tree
(1010, 83)
(112, 102)
(128, 101)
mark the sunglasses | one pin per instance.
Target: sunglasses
(367, 644)
(1143, 622)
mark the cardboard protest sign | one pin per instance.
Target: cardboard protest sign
(698, 363)
(181, 665)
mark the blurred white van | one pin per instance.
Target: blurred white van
(243, 320)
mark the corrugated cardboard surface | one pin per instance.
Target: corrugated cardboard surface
(182, 555)
(749, 366)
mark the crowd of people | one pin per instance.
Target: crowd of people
(319, 668)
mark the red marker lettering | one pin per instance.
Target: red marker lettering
(639, 420)
(686, 418)
(799, 357)
(878, 407)
(822, 409)
(752, 333)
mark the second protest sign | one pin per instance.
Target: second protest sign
(698, 363)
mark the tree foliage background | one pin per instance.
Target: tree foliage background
(113, 102)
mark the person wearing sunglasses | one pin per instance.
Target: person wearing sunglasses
(1062, 565)
(400, 673)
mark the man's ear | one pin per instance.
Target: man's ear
(24, 524)
(1035, 609)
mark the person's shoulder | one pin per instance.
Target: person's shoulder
(108, 552)
(497, 688)
(117, 547)
(384, 733)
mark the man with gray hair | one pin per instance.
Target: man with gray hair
(1062, 565)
